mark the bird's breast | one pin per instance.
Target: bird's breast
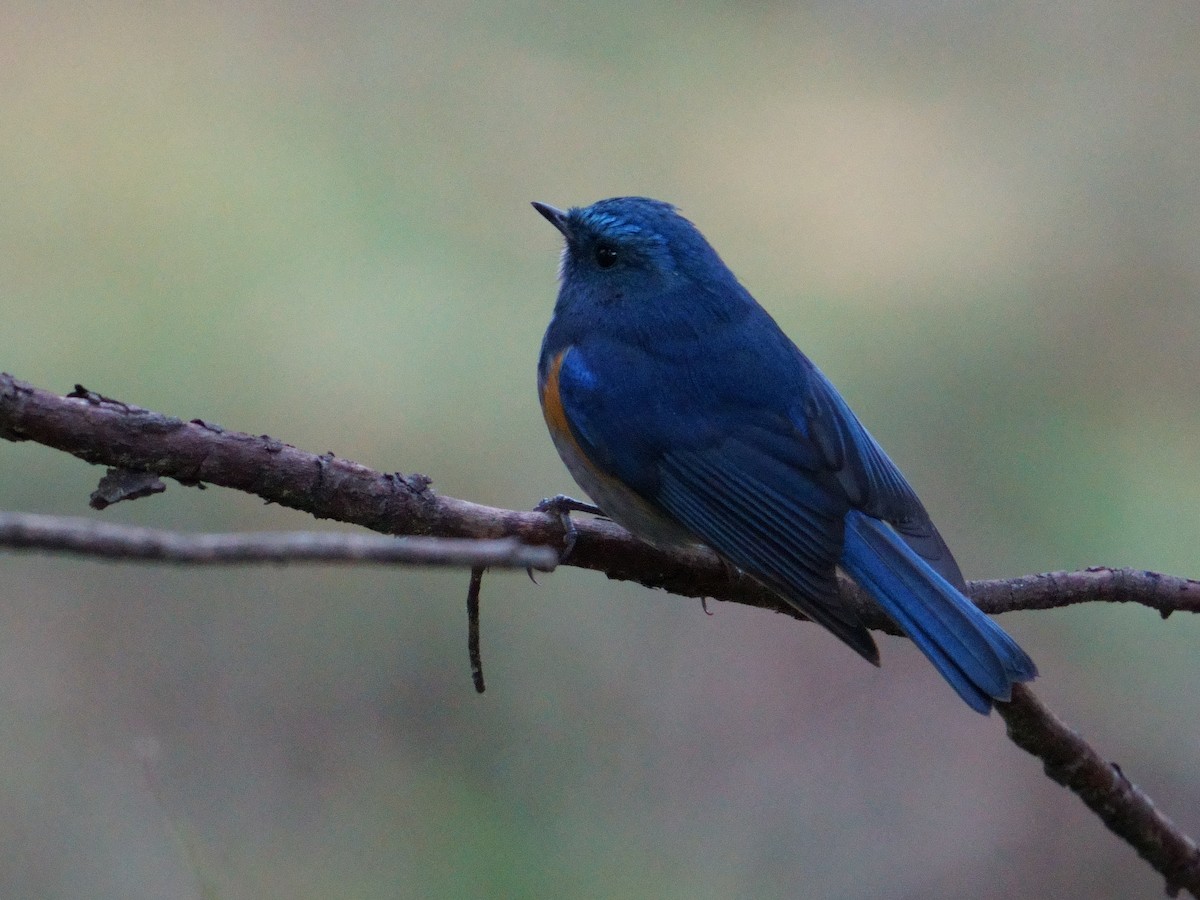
(620, 502)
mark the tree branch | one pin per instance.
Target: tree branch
(108, 432)
(87, 537)
(1053, 590)
(1121, 805)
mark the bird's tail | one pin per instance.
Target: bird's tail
(971, 651)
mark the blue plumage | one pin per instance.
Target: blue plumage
(681, 407)
(971, 651)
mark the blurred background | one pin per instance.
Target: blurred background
(981, 221)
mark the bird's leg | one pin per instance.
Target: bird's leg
(561, 506)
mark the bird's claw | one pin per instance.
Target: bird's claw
(561, 506)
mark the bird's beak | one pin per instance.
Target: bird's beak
(555, 217)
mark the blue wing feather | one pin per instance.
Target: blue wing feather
(872, 481)
(971, 651)
(736, 475)
(730, 495)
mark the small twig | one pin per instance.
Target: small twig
(86, 537)
(473, 628)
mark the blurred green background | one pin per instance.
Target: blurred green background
(312, 221)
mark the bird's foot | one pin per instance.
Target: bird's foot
(561, 506)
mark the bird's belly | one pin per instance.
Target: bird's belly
(620, 503)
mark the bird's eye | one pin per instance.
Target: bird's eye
(606, 256)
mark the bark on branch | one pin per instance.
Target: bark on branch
(108, 432)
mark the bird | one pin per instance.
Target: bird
(686, 413)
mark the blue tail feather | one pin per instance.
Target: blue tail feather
(971, 651)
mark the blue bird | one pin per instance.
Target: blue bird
(686, 413)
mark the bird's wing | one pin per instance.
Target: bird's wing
(871, 480)
(750, 497)
(736, 475)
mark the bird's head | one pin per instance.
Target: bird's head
(625, 244)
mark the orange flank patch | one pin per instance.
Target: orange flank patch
(560, 427)
(552, 408)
